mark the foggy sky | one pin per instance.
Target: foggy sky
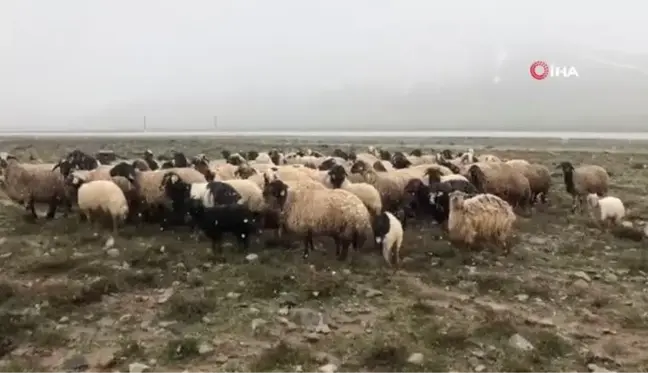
(261, 63)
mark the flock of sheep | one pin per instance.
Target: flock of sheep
(352, 198)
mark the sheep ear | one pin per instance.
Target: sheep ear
(282, 193)
(174, 178)
(265, 179)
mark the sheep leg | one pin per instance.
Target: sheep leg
(573, 209)
(338, 246)
(345, 250)
(216, 244)
(31, 208)
(308, 244)
(244, 239)
(52, 209)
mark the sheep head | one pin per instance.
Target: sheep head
(447, 153)
(65, 167)
(337, 175)
(275, 193)
(327, 164)
(244, 171)
(416, 153)
(379, 166)
(433, 174)
(385, 155)
(566, 167)
(340, 153)
(148, 154)
(456, 199)
(359, 167)
(236, 159)
(125, 170)
(400, 161)
(593, 200)
(75, 180)
(275, 156)
(226, 153)
(477, 177)
(252, 155)
(174, 187)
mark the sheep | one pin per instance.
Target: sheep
(366, 192)
(81, 160)
(390, 185)
(517, 162)
(435, 176)
(607, 208)
(184, 195)
(251, 194)
(148, 158)
(101, 197)
(34, 184)
(501, 180)
(584, 180)
(312, 212)
(423, 196)
(230, 218)
(388, 233)
(539, 178)
(484, 217)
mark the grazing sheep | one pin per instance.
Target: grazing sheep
(390, 185)
(31, 184)
(231, 218)
(584, 180)
(312, 212)
(366, 192)
(388, 233)
(484, 217)
(607, 208)
(101, 197)
(503, 181)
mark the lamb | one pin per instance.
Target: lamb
(484, 217)
(230, 218)
(501, 180)
(584, 180)
(388, 233)
(31, 184)
(607, 208)
(101, 197)
(366, 192)
(312, 212)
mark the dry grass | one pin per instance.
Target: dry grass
(163, 301)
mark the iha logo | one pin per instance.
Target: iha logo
(540, 70)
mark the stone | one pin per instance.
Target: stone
(166, 294)
(328, 368)
(520, 343)
(205, 348)
(257, 323)
(75, 363)
(252, 257)
(415, 358)
(581, 275)
(370, 293)
(113, 253)
(138, 368)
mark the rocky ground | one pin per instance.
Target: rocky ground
(570, 297)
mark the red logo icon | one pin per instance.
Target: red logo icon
(539, 65)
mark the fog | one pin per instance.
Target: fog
(288, 64)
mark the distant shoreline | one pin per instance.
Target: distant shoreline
(566, 135)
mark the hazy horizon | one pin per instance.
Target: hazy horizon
(73, 65)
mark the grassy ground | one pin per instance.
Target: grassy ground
(574, 293)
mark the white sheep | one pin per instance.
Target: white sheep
(388, 232)
(606, 208)
(101, 197)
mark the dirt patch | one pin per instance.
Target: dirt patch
(570, 295)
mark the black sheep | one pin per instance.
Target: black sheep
(124, 170)
(233, 218)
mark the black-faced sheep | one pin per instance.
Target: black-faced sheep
(366, 192)
(584, 180)
(388, 234)
(231, 218)
(311, 212)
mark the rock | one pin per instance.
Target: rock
(581, 275)
(323, 328)
(312, 337)
(627, 224)
(610, 277)
(370, 293)
(283, 311)
(328, 368)
(580, 284)
(233, 295)
(520, 343)
(595, 368)
(480, 368)
(221, 359)
(325, 358)
(522, 297)
(288, 300)
(307, 317)
(251, 257)
(64, 319)
(166, 294)
(113, 253)
(205, 348)
(415, 358)
(194, 277)
(110, 242)
(138, 368)
(289, 324)
(257, 323)
(535, 240)
(75, 363)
